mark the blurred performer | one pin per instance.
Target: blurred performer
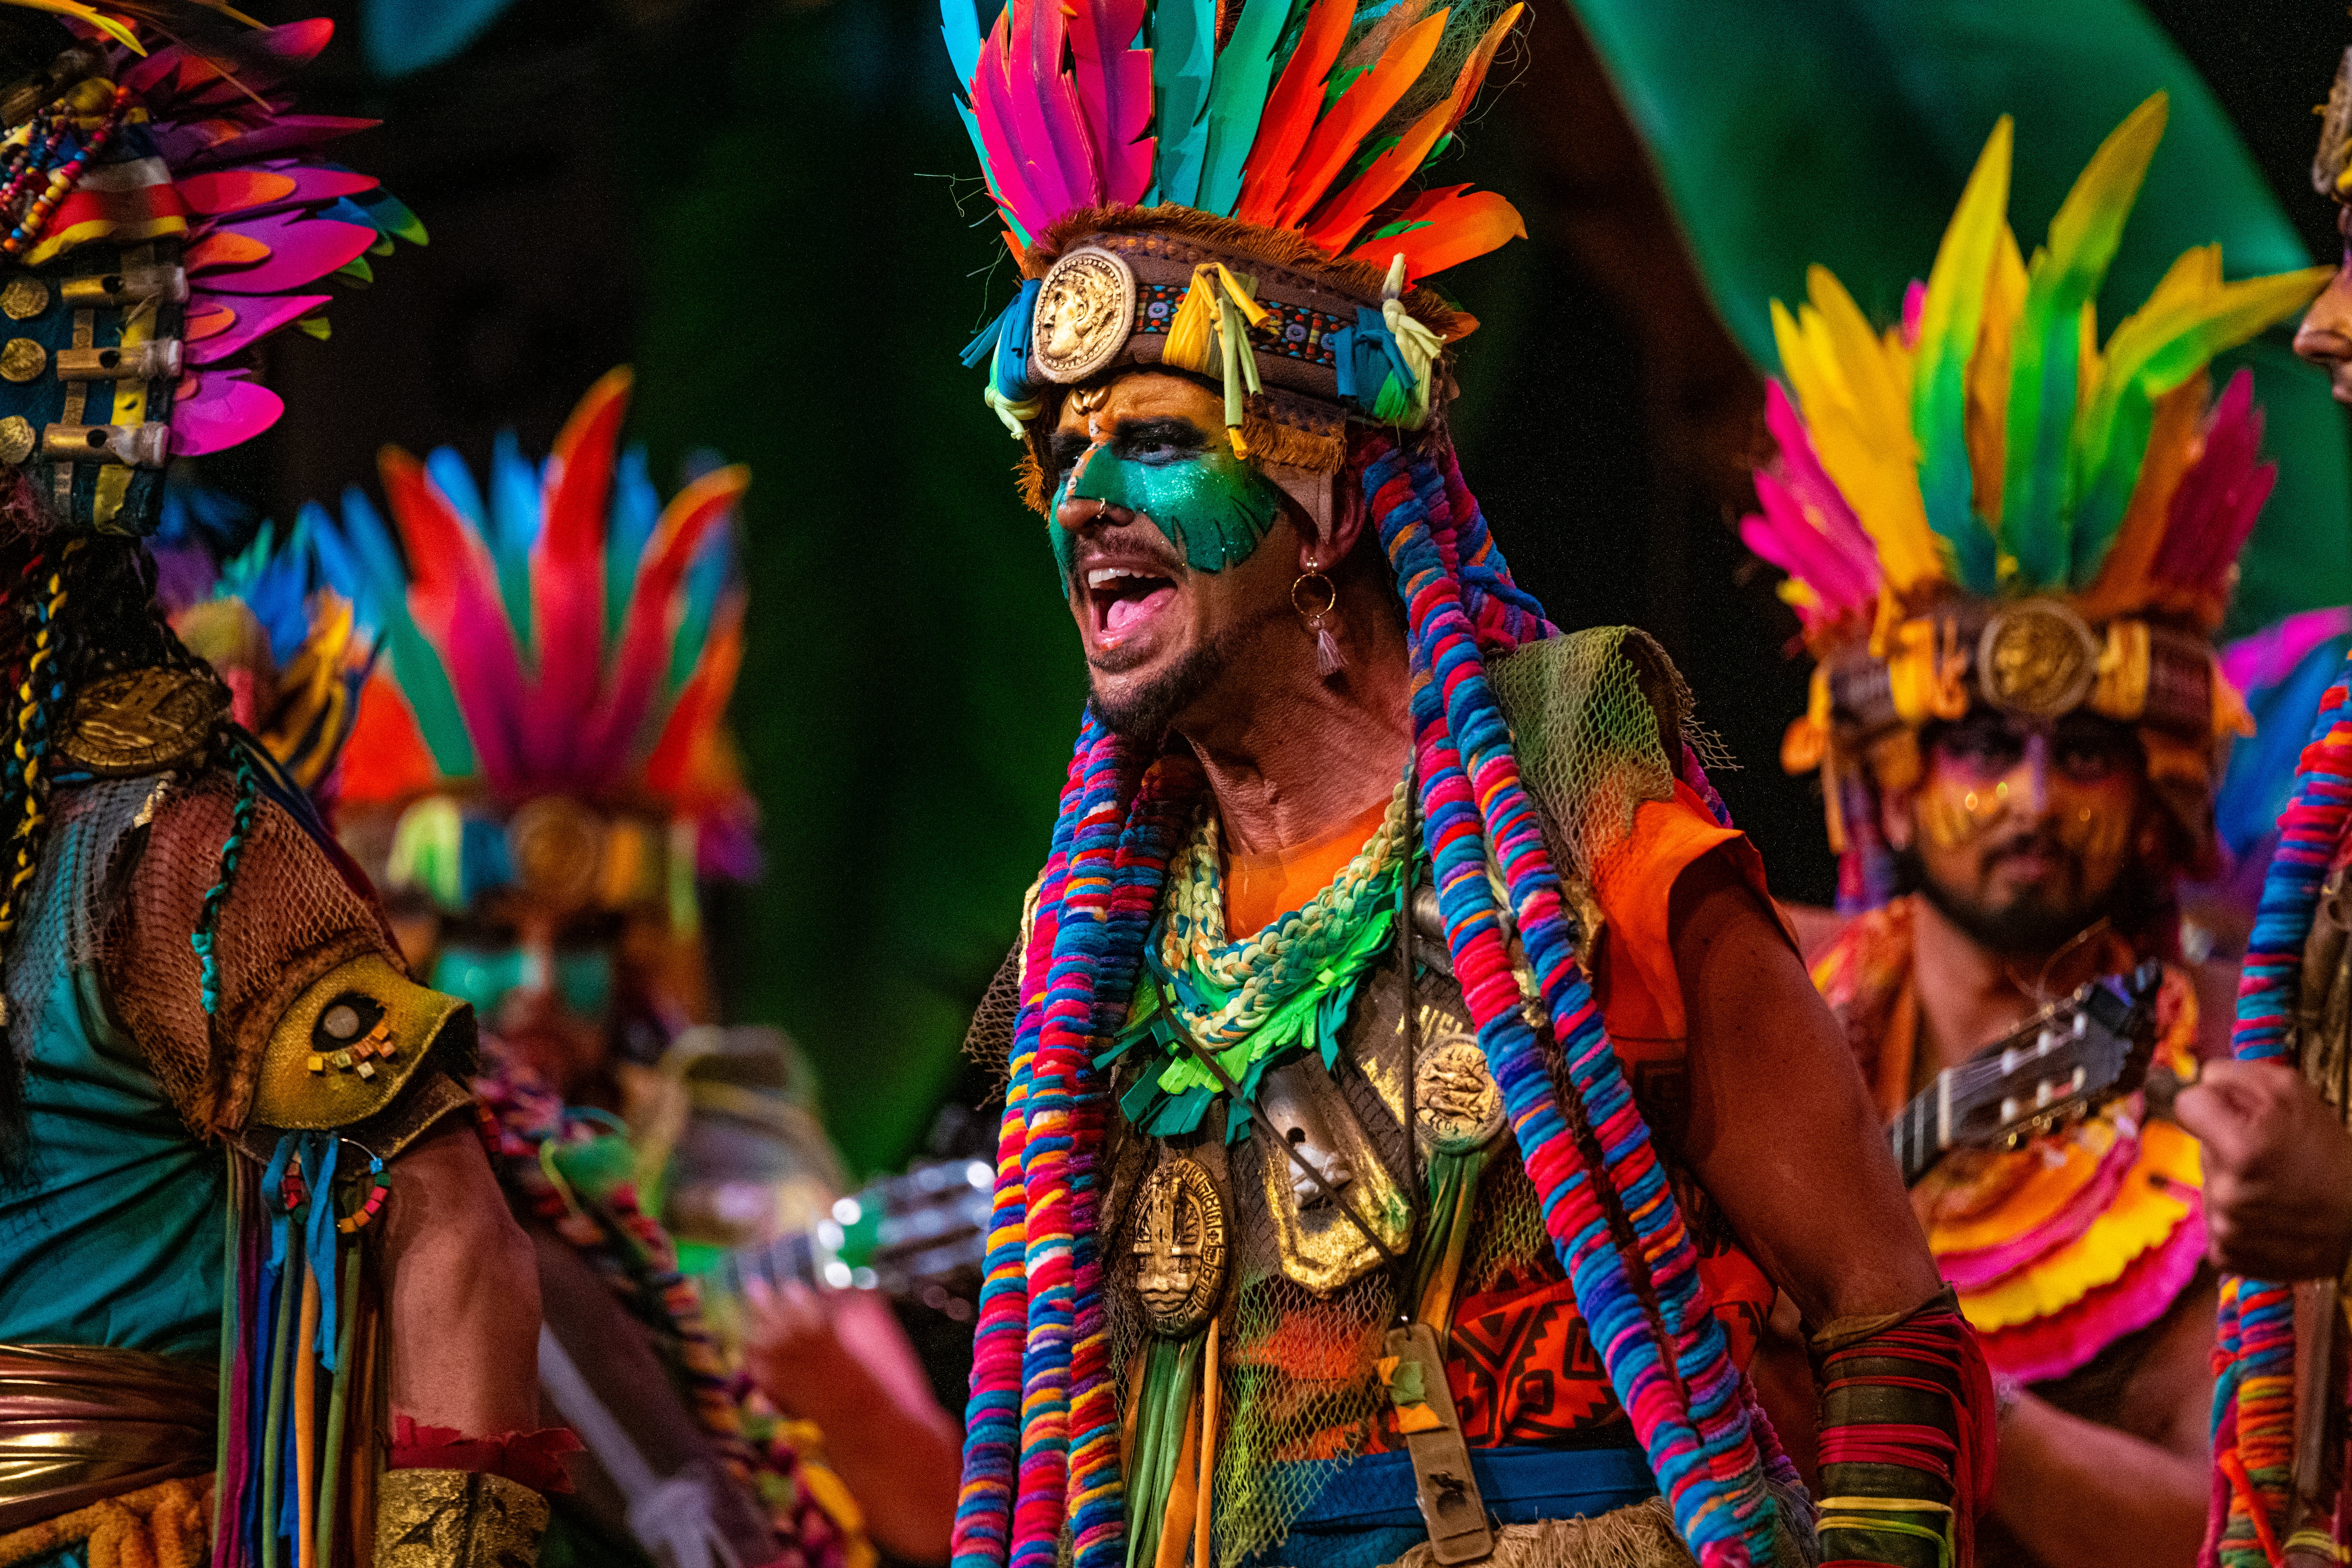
(259, 1299)
(541, 775)
(1317, 1201)
(2279, 1163)
(2018, 718)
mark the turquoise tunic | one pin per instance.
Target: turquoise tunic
(112, 1223)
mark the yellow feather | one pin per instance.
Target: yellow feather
(1988, 416)
(1855, 390)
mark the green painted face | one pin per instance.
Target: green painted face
(1211, 505)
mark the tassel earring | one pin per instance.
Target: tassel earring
(1312, 586)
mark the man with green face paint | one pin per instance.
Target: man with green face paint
(1403, 1063)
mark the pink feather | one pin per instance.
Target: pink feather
(250, 320)
(1914, 310)
(991, 105)
(174, 75)
(2218, 499)
(1050, 174)
(1114, 87)
(215, 410)
(641, 658)
(206, 143)
(567, 578)
(453, 594)
(1810, 483)
(296, 184)
(1843, 583)
(303, 249)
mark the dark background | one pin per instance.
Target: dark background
(770, 210)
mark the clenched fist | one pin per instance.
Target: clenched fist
(2278, 1171)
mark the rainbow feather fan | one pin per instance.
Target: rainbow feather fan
(1990, 444)
(1311, 123)
(568, 634)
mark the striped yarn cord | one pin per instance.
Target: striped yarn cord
(207, 932)
(2253, 1388)
(1668, 1357)
(983, 1535)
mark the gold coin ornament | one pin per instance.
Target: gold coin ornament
(2037, 658)
(17, 438)
(23, 298)
(23, 359)
(141, 721)
(1456, 1105)
(1085, 308)
(556, 846)
(1180, 1236)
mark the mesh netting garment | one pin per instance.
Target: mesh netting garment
(70, 892)
(1597, 719)
(290, 917)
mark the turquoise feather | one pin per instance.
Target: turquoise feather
(1238, 92)
(1948, 324)
(1184, 47)
(515, 519)
(415, 668)
(633, 511)
(2064, 275)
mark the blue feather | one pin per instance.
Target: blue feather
(1237, 93)
(1183, 48)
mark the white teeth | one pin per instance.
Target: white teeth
(1102, 576)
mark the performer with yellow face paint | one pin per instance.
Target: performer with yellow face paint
(2011, 543)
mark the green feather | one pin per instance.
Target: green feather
(1183, 46)
(1949, 322)
(2064, 277)
(1238, 95)
(2192, 317)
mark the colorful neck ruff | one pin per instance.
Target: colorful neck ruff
(1253, 1004)
(1984, 504)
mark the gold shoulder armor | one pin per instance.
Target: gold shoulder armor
(348, 1046)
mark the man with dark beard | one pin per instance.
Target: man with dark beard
(2017, 716)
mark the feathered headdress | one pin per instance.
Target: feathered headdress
(568, 639)
(1225, 190)
(1987, 503)
(160, 213)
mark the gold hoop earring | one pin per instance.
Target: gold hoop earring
(1328, 660)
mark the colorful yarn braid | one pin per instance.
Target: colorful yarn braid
(1668, 1357)
(2253, 1387)
(983, 1521)
(248, 792)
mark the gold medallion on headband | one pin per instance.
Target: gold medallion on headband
(2037, 659)
(1085, 310)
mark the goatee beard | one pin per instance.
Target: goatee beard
(1142, 717)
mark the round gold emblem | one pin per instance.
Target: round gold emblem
(141, 721)
(23, 359)
(2037, 658)
(557, 846)
(1456, 1104)
(23, 298)
(1180, 1236)
(17, 438)
(1084, 313)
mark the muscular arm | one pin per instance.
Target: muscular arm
(1781, 1130)
(461, 1292)
(2083, 1494)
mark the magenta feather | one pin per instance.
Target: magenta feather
(1050, 168)
(1114, 85)
(250, 321)
(176, 75)
(453, 594)
(200, 144)
(642, 657)
(1844, 585)
(283, 182)
(1802, 471)
(992, 106)
(2219, 496)
(303, 249)
(218, 408)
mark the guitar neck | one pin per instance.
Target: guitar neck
(920, 1237)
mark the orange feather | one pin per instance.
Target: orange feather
(1369, 98)
(1453, 227)
(1289, 114)
(1345, 214)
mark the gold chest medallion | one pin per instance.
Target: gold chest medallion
(141, 721)
(1180, 1236)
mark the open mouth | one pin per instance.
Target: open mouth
(1123, 598)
